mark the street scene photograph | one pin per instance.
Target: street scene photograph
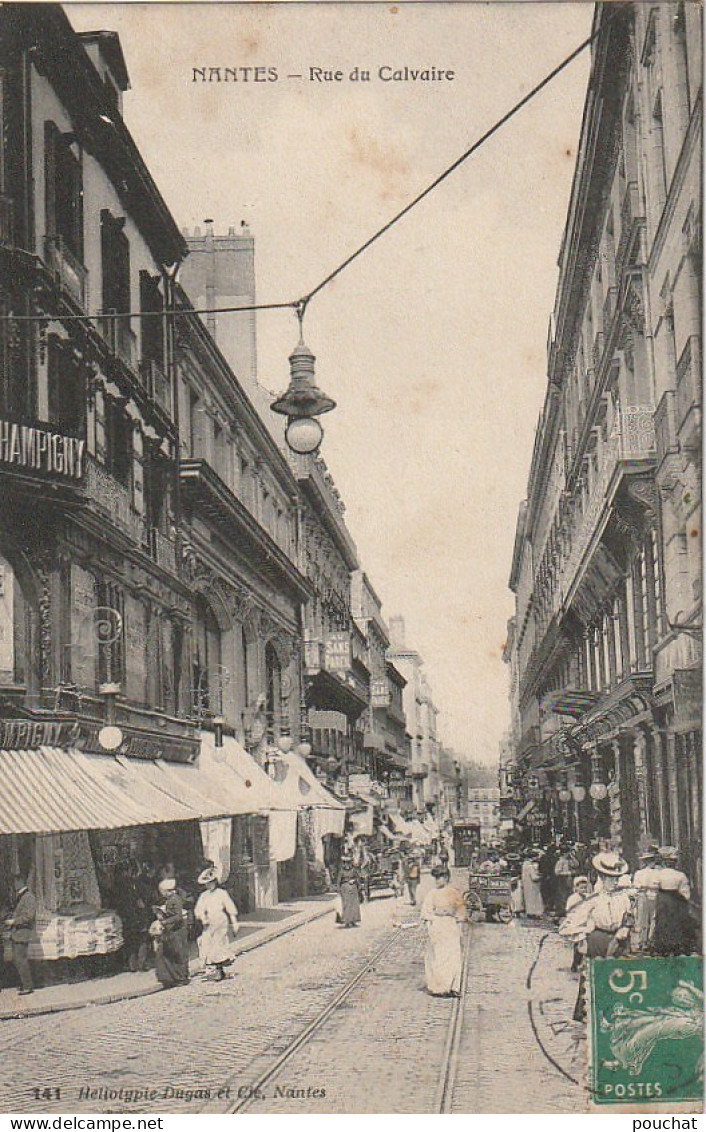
(351, 558)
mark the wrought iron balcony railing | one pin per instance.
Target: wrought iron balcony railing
(632, 440)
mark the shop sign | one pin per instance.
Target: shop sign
(36, 448)
(29, 734)
(138, 744)
(338, 652)
(379, 693)
(358, 782)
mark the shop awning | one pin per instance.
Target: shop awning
(239, 778)
(299, 785)
(51, 790)
(400, 825)
(191, 785)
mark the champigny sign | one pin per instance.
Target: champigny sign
(36, 448)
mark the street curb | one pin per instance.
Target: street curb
(258, 939)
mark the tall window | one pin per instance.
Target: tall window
(169, 639)
(63, 189)
(110, 633)
(115, 258)
(151, 326)
(17, 386)
(118, 442)
(156, 479)
(67, 390)
(194, 410)
(206, 666)
(246, 675)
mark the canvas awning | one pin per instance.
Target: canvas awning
(300, 786)
(52, 790)
(236, 773)
(400, 825)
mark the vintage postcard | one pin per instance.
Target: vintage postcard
(350, 558)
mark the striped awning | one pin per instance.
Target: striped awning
(51, 790)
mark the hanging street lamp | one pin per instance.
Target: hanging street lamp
(303, 401)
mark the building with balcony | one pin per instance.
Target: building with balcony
(335, 678)
(386, 744)
(606, 571)
(150, 556)
(421, 715)
(336, 674)
(240, 549)
(93, 598)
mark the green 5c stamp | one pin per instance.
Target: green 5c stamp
(647, 1029)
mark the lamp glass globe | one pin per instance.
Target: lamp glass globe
(304, 435)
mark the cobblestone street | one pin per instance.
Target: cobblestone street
(381, 1050)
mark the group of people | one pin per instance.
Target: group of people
(545, 877)
(159, 914)
(216, 917)
(353, 879)
(619, 914)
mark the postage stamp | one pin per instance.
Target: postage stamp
(646, 1030)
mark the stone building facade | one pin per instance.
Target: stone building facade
(95, 611)
(421, 715)
(606, 568)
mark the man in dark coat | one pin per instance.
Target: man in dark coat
(21, 925)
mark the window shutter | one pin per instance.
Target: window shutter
(51, 138)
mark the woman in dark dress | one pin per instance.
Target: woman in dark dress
(676, 930)
(348, 888)
(172, 953)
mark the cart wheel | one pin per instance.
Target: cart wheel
(505, 914)
(474, 906)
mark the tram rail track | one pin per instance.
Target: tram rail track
(443, 1097)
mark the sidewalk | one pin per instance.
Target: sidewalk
(256, 929)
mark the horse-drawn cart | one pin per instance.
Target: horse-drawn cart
(489, 894)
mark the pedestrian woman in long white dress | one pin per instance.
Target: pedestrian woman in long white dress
(531, 887)
(219, 916)
(443, 911)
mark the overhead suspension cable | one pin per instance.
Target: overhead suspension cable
(300, 305)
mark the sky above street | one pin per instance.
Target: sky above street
(433, 343)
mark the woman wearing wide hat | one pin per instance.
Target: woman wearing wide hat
(606, 918)
(219, 916)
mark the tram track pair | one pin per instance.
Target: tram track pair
(447, 1076)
